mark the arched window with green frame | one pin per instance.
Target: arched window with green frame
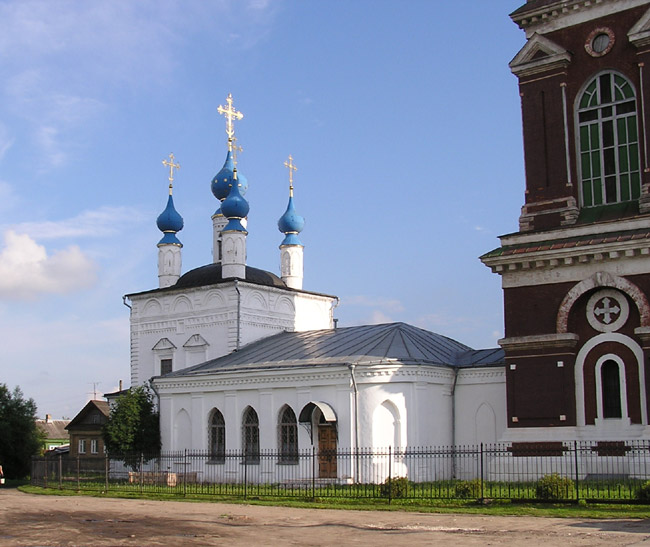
(608, 141)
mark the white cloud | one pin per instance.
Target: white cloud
(27, 271)
(101, 222)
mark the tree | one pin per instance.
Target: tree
(20, 439)
(133, 427)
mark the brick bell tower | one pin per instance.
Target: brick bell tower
(576, 277)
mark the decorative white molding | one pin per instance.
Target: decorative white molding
(196, 341)
(579, 371)
(540, 341)
(164, 344)
(622, 386)
(602, 279)
(600, 313)
(639, 34)
(529, 61)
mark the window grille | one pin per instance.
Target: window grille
(288, 436)
(217, 437)
(165, 366)
(608, 142)
(251, 436)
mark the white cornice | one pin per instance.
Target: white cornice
(309, 376)
(568, 13)
(556, 259)
(565, 232)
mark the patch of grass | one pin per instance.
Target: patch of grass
(504, 508)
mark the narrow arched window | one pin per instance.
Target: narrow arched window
(217, 437)
(608, 141)
(611, 386)
(288, 435)
(251, 436)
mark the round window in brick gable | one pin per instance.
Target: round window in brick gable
(600, 42)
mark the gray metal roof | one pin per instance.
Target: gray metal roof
(371, 344)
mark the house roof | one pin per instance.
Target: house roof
(81, 419)
(53, 429)
(368, 344)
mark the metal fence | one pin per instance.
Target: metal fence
(609, 471)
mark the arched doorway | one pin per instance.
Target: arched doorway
(320, 417)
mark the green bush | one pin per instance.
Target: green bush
(643, 493)
(554, 487)
(395, 488)
(468, 489)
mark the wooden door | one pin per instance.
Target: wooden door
(327, 451)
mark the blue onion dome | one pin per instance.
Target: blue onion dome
(291, 221)
(291, 224)
(170, 222)
(234, 208)
(222, 181)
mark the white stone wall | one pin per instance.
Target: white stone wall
(480, 405)
(399, 406)
(214, 313)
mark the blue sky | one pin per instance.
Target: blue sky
(402, 117)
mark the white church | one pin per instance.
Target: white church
(244, 359)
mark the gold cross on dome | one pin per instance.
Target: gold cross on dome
(171, 166)
(231, 115)
(290, 165)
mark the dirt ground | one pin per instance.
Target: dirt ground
(32, 520)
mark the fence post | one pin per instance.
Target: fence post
(185, 474)
(390, 474)
(78, 473)
(245, 475)
(482, 476)
(105, 472)
(60, 473)
(141, 472)
(313, 473)
(575, 456)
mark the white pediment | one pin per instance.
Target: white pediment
(195, 341)
(163, 344)
(539, 54)
(639, 34)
